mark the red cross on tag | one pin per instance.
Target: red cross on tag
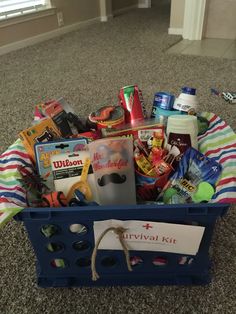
(147, 226)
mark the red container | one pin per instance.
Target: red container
(114, 120)
(148, 188)
(131, 99)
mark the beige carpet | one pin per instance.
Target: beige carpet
(88, 67)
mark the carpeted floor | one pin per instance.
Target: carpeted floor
(88, 67)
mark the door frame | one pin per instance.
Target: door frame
(106, 8)
(194, 14)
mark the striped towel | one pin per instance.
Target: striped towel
(12, 195)
(219, 142)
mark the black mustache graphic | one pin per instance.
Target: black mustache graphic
(113, 177)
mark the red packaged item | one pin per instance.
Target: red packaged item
(163, 168)
(140, 129)
(52, 108)
(156, 155)
(131, 99)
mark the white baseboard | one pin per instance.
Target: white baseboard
(106, 18)
(125, 9)
(45, 36)
(144, 4)
(175, 31)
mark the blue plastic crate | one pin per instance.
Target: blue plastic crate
(111, 264)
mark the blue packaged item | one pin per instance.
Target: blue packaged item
(194, 168)
(164, 100)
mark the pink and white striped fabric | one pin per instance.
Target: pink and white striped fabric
(12, 195)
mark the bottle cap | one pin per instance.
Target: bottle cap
(189, 90)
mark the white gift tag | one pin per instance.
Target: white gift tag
(150, 236)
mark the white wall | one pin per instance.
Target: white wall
(177, 13)
(120, 4)
(220, 21)
(74, 11)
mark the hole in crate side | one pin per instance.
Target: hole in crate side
(81, 245)
(185, 260)
(109, 261)
(54, 247)
(136, 261)
(159, 261)
(49, 230)
(58, 263)
(83, 262)
(78, 229)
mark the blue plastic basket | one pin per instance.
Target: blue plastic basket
(110, 264)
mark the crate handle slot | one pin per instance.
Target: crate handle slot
(40, 215)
